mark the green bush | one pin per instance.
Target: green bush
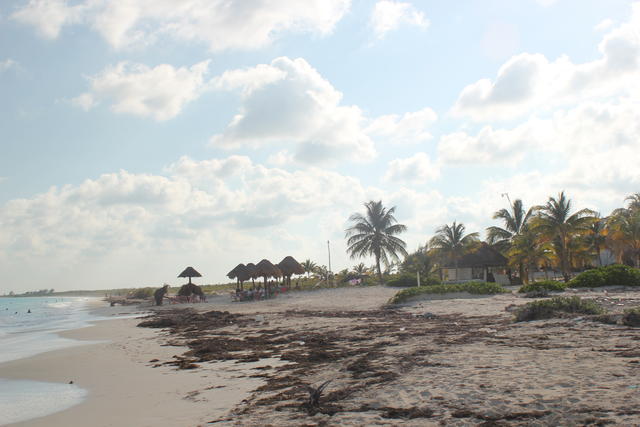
(476, 288)
(621, 275)
(611, 275)
(543, 285)
(557, 307)
(406, 280)
(403, 280)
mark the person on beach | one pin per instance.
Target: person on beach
(160, 293)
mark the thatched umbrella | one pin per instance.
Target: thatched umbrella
(241, 273)
(251, 269)
(266, 269)
(290, 266)
(190, 272)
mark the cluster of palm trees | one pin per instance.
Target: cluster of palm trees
(551, 235)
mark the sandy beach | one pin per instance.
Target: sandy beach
(438, 362)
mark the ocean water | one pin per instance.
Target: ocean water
(29, 326)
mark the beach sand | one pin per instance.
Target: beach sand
(464, 363)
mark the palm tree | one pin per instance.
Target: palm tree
(418, 261)
(596, 236)
(374, 233)
(555, 221)
(634, 201)
(309, 266)
(528, 251)
(451, 242)
(624, 231)
(515, 223)
(360, 269)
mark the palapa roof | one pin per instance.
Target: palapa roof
(190, 272)
(483, 256)
(266, 269)
(234, 273)
(251, 269)
(240, 272)
(290, 266)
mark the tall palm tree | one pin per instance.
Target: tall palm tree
(451, 241)
(309, 266)
(374, 233)
(515, 223)
(555, 221)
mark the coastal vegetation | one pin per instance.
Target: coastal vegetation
(557, 307)
(474, 288)
(543, 286)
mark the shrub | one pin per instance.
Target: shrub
(543, 285)
(588, 279)
(621, 275)
(476, 288)
(404, 280)
(611, 275)
(142, 293)
(556, 307)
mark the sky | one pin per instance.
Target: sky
(139, 137)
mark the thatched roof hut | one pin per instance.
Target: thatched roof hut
(266, 269)
(240, 272)
(190, 272)
(251, 269)
(290, 266)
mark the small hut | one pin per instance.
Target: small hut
(190, 288)
(189, 272)
(266, 269)
(240, 273)
(289, 266)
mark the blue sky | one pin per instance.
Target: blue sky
(139, 137)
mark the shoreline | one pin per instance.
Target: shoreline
(112, 363)
(458, 362)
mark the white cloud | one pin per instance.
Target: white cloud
(49, 16)
(604, 25)
(410, 128)
(530, 82)
(288, 101)
(589, 148)
(492, 146)
(417, 169)
(160, 92)
(7, 64)
(218, 23)
(389, 15)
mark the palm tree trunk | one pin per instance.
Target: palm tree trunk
(522, 273)
(455, 267)
(378, 268)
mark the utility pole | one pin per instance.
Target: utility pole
(329, 251)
